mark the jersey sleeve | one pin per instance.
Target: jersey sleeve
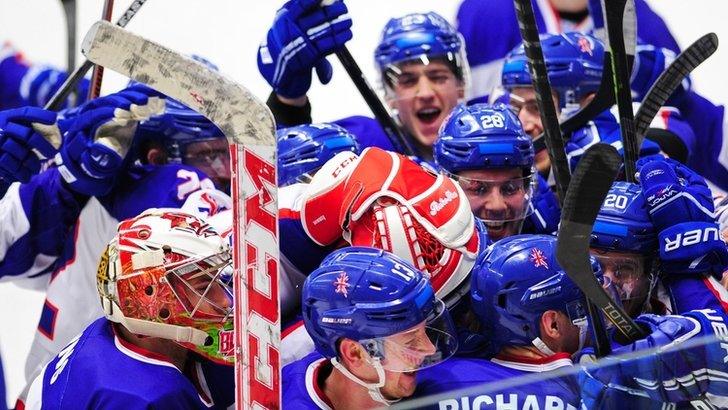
(23, 83)
(38, 218)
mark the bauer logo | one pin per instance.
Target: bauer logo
(337, 320)
(691, 237)
(437, 205)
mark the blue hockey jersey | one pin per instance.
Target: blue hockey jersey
(99, 369)
(455, 374)
(300, 388)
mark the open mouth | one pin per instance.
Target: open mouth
(428, 115)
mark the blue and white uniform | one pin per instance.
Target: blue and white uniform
(128, 377)
(301, 388)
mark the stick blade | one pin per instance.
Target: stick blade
(243, 118)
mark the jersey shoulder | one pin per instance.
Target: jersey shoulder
(367, 131)
(299, 383)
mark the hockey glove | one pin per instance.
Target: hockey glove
(302, 35)
(24, 141)
(685, 363)
(546, 212)
(681, 208)
(99, 138)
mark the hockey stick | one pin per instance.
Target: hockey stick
(544, 98)
(381, 113)
(590, 183)
(615, 11)
(69, 9)
(250, 129)
(97, 75)
(670, 80)
(55, 103)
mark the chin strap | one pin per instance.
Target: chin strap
(541, 346)
(372, 388)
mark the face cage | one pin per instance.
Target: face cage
(420, 347)
(630, 276)
(483, 187)
(204, 287)
(456, 64)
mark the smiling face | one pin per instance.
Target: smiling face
(499, 197)
(423, 95)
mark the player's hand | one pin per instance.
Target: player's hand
(100, 136)
(679, 360)
(22, 141)
(302, 35)
(681, 208)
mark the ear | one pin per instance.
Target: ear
(351, 353)
(156, 156)
(550, 327)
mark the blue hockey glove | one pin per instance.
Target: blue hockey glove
(681, 208)
(546, 212)
(99, 138)
(650, 62)
(302, 35)
(23, 143)
(687, 361)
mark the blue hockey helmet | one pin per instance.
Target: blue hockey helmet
(515, 282)
(623, 223)
(303, 149)
(574, 62)
(483, 136)
(420, 37)
(369, 295)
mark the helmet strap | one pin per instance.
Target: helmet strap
(541, 346)
(372, 388)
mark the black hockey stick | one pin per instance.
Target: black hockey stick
(592, 179)
(56, 101)
(394, 133)
(617, 15)
(670, 80)
(69, 9)
(540, 80)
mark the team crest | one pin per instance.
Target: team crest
(341, 284)
(538, 258)
(585, 46)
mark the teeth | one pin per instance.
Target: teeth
(494, 224)
(428, 111)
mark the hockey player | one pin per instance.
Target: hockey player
(420, 59)
(303, 149)
(485, 149)
(487, 45)
(574, 65)
(376, 322)
(63, 216)
(166, 292)
(536, 318)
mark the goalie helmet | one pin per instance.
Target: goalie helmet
(518, 279)
(573, 62)
(304, 149)
(167, 274)
(420, 37)
(382, 302)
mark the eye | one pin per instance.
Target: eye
(510, 188)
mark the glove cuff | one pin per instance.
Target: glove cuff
(692, 248)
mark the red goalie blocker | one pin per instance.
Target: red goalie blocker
(255, 247)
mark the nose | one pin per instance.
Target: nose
(495, 202)
(425, 88)
(529, 122)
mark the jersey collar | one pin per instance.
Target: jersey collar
(534, 365)
(312, 387)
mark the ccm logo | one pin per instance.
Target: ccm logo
(691, 238)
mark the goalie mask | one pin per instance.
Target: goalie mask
(168, 274)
